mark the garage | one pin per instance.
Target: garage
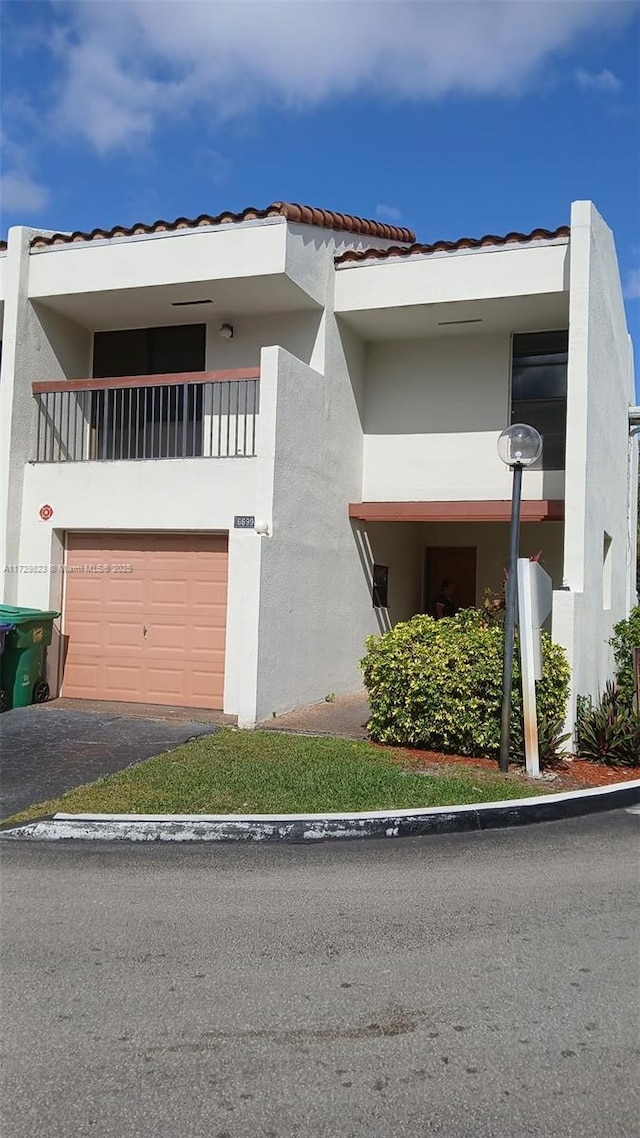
(145, 618)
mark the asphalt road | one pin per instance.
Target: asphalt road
(466, 985)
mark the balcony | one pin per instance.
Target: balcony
(132, 418)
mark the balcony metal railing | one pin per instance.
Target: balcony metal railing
(188, 415)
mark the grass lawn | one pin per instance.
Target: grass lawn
(245, 772)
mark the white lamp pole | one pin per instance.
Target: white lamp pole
(518, 446)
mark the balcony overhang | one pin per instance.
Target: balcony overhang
(542, 510)
(451, 278)
(443, 318)
(189, 276)
(156, 305)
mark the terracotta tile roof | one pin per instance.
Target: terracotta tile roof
(291, 211)
(452, 246)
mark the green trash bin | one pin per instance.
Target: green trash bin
(22, 662)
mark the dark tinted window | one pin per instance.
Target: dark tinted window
(148, 422)
(149, 351)
(539, 390)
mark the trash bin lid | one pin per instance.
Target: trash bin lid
(6, 627)
(20, 615)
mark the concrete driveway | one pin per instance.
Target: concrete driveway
(45, 752)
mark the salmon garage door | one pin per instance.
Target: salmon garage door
(145, 618)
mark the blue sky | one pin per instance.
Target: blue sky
(456, 118)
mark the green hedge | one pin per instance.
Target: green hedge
(438, 685)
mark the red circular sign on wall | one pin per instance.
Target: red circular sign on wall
(46, 512)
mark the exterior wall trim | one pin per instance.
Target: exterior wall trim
(543, 510)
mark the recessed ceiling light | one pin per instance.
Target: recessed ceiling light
(184, 303)
(442, 323)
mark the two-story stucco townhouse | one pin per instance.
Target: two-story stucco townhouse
(217, 433)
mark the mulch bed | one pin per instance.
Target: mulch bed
(566, 774)
(596, 774)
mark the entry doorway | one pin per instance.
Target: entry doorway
(456, 562)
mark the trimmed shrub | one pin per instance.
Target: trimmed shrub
(438, 685)
(610, 732)
(626, 637)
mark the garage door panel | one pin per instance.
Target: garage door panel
(177, 590)
(108, 543)
(207, 640)
(124, 592)
(123, 634)
(163, 683)
(202, 685)
(88, 590)
(122, 673)
(169, 591)
(86, 632)
(110, 590)
(205, 595)
(84, 677)
(167, 637)
(208, 623)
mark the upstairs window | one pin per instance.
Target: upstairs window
(148, 422)
(149, 351)
(539, 391)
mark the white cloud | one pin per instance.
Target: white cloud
(127, 65)
(632, 285)
(598, 81)
(21, 194)
(389, 213)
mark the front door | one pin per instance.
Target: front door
(458, 564)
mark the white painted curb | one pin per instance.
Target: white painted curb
(305, 827)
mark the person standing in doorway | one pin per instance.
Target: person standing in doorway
(445, 605)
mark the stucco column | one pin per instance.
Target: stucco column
(15, 421)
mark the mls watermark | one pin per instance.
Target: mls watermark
(96, 568)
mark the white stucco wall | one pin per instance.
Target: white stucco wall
(298, 332)
(433, 410)
(495, 271)
(38, 345)
(599, 455)
(3, 265)
(315, 601)
(310, 256)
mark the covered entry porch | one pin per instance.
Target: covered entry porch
(408, 549)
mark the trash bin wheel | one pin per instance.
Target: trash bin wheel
(41, 692)
(4, 702)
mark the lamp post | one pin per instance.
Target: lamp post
(518, 446)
